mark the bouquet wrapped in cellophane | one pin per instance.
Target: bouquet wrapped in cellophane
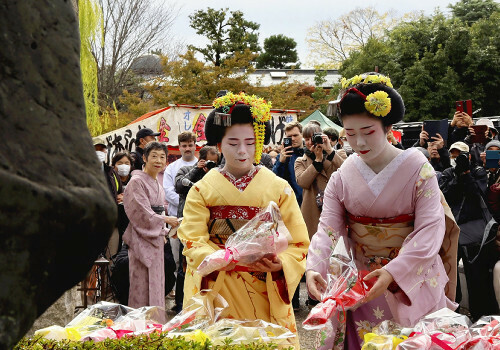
(264, 236)
(345, 288)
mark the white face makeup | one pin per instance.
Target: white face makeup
(366, 135)
(238, 147)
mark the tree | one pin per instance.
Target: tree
(90, 19)
(280, 52)
(471, 11)
(227, 34)
(333, 40)
(131, 28)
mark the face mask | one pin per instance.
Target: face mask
(101, 155)
(452, 162)
(347, 147)
(123, 169)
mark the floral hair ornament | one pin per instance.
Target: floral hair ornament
(369, 79)
(377, 103)
(261, 113)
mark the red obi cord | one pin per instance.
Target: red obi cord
(233, 212)
(364, 220)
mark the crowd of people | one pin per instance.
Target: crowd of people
(412, 215)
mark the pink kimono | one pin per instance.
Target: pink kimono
(145, 236)
(394, 219)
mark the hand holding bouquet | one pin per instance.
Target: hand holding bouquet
(264, 236)
(346, 289)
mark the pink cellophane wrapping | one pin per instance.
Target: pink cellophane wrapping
(264, 236)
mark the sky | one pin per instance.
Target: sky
(293, 17)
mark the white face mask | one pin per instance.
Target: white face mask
(101, 155)
(123, 169)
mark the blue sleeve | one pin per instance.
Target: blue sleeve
(279, 168)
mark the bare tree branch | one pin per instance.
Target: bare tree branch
(333, 40)
(131, 28)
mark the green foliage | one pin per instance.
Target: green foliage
(434, 61)
(280, 51)
(227, 34)
(144, 342)
(470, 11)
(90, 23)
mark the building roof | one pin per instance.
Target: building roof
(268, 77)
(147, 65)
(320, 117)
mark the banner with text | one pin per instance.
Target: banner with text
(171, 121)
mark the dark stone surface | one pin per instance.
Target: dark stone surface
(56, 214)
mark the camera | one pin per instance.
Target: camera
(210, 164)
(317, 138)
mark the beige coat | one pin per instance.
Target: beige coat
(307, 176)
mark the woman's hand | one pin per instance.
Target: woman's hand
(267, 265)
(327, 146)
(172, 221)
(229, 267)
(383, 281)
(316, 284)
(318, 152)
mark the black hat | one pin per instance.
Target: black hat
(144, 132)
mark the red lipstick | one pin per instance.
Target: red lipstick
(364, 152)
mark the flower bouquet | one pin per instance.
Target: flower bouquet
(443, 329)
(345, 288)
(386, 335)
(485, 334)
(264, 236)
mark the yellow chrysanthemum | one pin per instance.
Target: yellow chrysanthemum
(369, 79)
(378, 103)
(356, 79)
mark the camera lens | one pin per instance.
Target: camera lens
(210, 164)
(317, 138)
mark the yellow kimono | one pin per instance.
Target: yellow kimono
(249, 295)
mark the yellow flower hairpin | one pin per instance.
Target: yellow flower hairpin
(378, 103)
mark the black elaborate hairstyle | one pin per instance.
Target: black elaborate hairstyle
(240, 115)
(353, 102)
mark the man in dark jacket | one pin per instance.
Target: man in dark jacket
(464, 187)
(142, 138)
(285, 161)
(186, 177)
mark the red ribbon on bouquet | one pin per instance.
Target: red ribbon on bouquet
(348, 296)
(229, 253)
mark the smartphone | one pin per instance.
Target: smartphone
(464, 106)
(287, 142)
(492, 159)
(480, 131)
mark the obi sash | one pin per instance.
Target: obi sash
(227, 219)
(377, 241)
